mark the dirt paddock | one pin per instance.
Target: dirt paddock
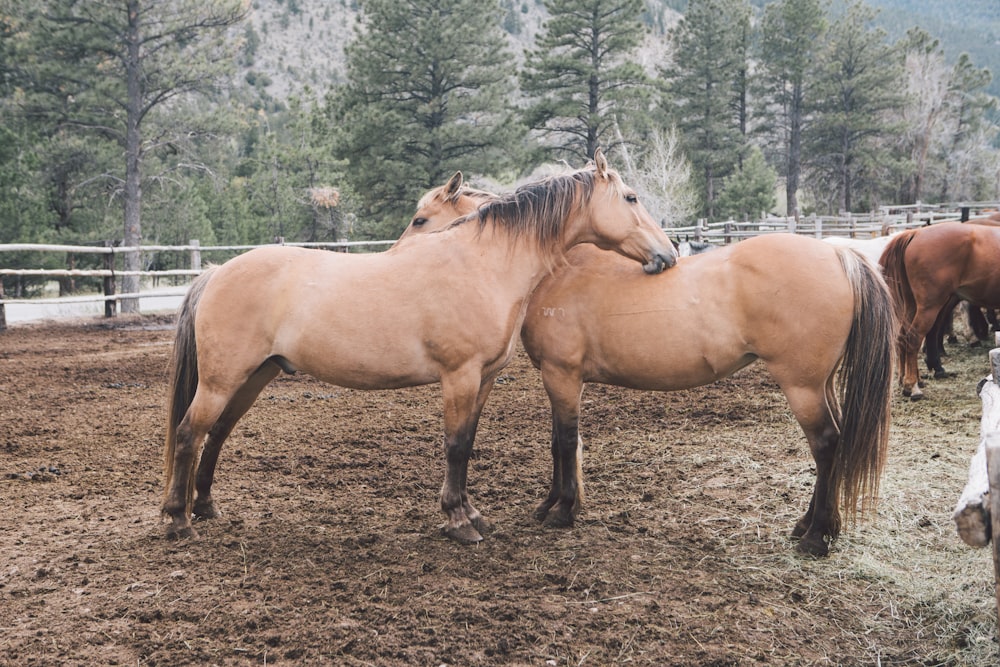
(329, 552)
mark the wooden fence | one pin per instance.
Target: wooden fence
(867, 225)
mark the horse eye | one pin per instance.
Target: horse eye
(631, 198)
(419, 222)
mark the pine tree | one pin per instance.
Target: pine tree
(429, 84)
(706, 87)
(859, 83)
(791, 34)
(580, 78)
(104, 67)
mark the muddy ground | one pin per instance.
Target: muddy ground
(329, 550)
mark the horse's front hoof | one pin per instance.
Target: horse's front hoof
(205, 510)
(916, 397)
(463, 534)
(559, 517)
(941, 374)
(481, 524)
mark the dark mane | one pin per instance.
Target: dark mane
(538, 210)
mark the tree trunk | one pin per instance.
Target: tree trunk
(133, 158)
(794, 153)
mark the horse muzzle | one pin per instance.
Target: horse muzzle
(659, 262)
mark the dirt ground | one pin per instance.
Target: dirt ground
(329, 550)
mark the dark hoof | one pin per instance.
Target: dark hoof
(185, 533)
(482, 525)
(952, 339)
(463, 534)
(559, 517)
(974, 343)
(542, 511)
(916, 397)
(204, 511)
(811, 547)
(799, 530)
(941, 374)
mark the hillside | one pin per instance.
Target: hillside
(298, 43)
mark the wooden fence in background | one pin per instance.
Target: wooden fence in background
(867, 225)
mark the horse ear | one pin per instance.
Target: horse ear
(453, 185)
(601, 163)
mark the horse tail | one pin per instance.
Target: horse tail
(183, 372)
(865, 390)
(893, 263)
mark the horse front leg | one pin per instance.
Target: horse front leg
(560, 508)
(464, 399)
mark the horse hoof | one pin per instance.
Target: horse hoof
(206, 511)
(817, 548)
(916, 397)
(542, 511)
(463, 534)
(183, 533)
(558, 518)
(481, 524)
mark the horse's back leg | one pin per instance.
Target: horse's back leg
(204, 507)
(810, 405)
(465, 393)
(564, 388)
(201, 415)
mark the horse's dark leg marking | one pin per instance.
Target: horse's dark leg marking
(462, 409)
(204, 507)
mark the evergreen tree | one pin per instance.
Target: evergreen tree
(706, 86)
(859, 83)
(103, 67)
(580, 79)
(970, 132)
(791, 34)
(750, 191)
(429, 84)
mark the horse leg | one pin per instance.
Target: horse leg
(204, 506)
(922, 323)
(465, 394)
(201, 415)
(933, 341)
(560, 508)
(809, 402)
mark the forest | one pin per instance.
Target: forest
(238, 122)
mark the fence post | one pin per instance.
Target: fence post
(3, 312)
(195, 254)
(699, 227)
(110, 305)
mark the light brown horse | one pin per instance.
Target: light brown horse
(925, 268)
(444, 307)
(805, 308)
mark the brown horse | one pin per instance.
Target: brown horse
(925, 268)
(352, 321)
(597, 320)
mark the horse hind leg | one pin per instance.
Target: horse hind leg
(821, 522)
(204, 506)
(199, 418)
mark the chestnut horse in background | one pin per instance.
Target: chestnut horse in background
(805, 308)
(443, 307)
(925, 268)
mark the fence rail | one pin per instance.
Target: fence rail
(868, 225)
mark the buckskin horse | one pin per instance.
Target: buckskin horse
(349, 320)
(806, 309)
